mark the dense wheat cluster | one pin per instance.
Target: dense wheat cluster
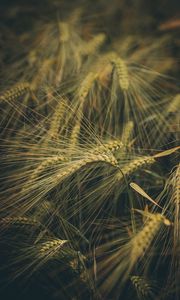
(90, 174)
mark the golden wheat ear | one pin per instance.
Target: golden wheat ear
(15, 92)
(144, 287)
(149, 215)
(137, 163)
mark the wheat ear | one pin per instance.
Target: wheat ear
(121, 262)
(64, 32)
(143, 287)
(175, 200)
(108, 146)
(46, 164)
(82, 94)
(121, 69)
(143, 239)
(41, 74)
(83, 162)
(18, 221)
(49, 249)
(15, 92)
(127, 133)
(56, 119)
(93, 45)
(174, 106)
(136, 164)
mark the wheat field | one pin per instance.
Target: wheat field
(89, 144)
